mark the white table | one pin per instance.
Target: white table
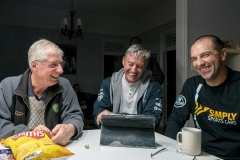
(97, 152)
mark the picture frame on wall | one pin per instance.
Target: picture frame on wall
(70, 57)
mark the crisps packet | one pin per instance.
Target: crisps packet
(35, 145)
(6, 154)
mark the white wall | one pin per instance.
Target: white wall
(46, 18)
(21, 25)
(15, 42)
(201, 17)
(36, 17)
(158, 16)
(217, 17)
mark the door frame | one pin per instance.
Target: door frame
(162, 61)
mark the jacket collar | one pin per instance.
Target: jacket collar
(117, 76)
(116, 87)
(22, 88)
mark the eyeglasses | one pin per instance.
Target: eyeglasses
(52, 64)
(173, 149)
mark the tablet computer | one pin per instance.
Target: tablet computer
(128, 130)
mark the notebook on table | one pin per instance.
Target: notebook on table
(127, 130)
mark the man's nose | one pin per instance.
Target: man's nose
(134, 68)
(199, 62)
(60, 69)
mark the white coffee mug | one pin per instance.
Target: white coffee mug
(191, 140)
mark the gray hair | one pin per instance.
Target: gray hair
(41, 49)
(138, 51)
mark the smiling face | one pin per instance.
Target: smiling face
(45, 75)
(133, 67)
(208, 62)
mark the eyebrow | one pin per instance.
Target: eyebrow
(204, 53)
(207, 52)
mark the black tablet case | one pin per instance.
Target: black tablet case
(126, 130)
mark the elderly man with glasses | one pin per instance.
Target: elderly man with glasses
(39, 99)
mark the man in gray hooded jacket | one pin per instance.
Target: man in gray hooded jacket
(130, 90)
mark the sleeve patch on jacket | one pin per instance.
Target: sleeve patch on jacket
(180, 102)
(158, 104)
(55, 108)
(100, 95)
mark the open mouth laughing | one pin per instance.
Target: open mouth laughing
(133, 74)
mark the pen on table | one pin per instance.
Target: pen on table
(194, 157)
(158, 152)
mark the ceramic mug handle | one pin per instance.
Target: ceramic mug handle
(178, 134)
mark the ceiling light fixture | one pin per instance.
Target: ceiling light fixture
(71, 33)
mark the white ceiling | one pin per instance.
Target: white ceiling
(118, 8)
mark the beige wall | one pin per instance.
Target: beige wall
(21, 25)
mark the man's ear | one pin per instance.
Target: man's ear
(223, 54)
(33, 64)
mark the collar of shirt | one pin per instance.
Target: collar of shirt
(130, 88)
(30, 89)
(134, 85)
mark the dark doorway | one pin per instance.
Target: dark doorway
(109, 64)
(171, 80)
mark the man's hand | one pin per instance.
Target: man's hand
(43, 128)
(100, 114)
(61, 133)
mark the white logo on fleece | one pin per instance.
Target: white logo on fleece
(100, 95)
(180, 102)
(158, 104)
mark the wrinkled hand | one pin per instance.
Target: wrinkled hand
(61, 133)
(43, 128)
(100, 114)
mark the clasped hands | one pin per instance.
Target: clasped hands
(60, 134)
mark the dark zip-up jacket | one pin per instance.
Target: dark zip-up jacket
(62, 106)
(149, 99)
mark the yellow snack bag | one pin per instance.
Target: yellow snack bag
(3, 142)
(35, 145)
